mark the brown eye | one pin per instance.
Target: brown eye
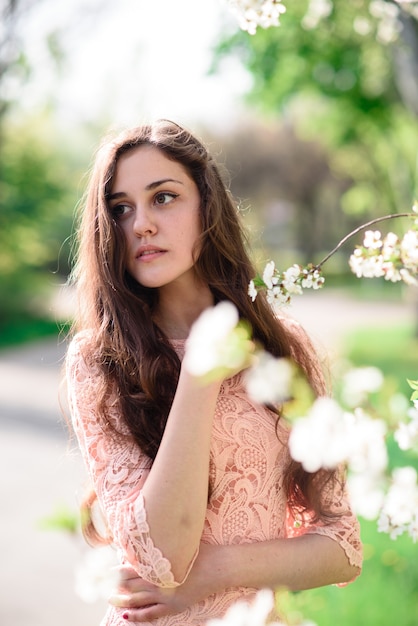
(119, 211)
(163, 197)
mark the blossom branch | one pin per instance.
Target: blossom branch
(390, 258)
(359, 229)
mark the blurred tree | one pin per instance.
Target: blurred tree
(345, 76)
(13, 63)
(39, 174)
(288, 187)
(38, 187)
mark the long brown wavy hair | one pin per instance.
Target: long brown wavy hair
(128, 347)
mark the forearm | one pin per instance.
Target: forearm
(301, 563)
(176, 489)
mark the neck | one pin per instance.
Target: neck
(177, 310)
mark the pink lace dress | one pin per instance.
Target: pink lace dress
(247, 503)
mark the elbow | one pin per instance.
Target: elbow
(348, 574)
(181, 550)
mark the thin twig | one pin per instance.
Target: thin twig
(358, 230)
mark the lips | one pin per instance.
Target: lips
(149, 252)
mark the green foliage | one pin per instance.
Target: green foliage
(339, 84)
(332, 58)
(386, 592)
(414, 385)
(23, 328)
(394, 350)
(62, 519)
(37, 199)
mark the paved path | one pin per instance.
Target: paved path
(41, 469)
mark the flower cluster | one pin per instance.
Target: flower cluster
(317, 11)
(389, 257)
(393, 258)
(96, 576)
(218, 345)
(329, 433)
(269, 380)
(281, 286)
(328, 437)
(399, 513)
(245, 614)
(253, 13)
(406, 434)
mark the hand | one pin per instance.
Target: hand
(141, 600)
(144, 601)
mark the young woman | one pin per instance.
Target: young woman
(195, 481)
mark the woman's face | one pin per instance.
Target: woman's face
(157, 205)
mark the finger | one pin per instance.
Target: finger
(125, 572)
(146, 613)
(136, 600)
(134, 586)
(129, 582)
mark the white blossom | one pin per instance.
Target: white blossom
(367, 452)
(388, 23)
(389, 257)
(281, 286)
(290, 280)
(317, 11)
(329, 436)
(249, 614)
(409, 249)
(372, 239)
(277, 298)
(366, 494)
(390, 272)
(406, 434)
(215, 342)
(254, 13)
(95, 577)
(312, 279)
(269, 277)
(408, 278)
(358, 383)
(268, 380)
(366, 267)
(400, 508)
(320, 439)
(389, 245)
(362, 26)
(252, 291)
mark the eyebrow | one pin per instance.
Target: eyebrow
(153, 185)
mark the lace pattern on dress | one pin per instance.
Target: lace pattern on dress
(118, 470)
(246, 504)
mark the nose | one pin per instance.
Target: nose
(144, 223)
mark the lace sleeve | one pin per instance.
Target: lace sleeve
(117, 468)
(345, 529)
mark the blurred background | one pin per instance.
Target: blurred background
(316, 123)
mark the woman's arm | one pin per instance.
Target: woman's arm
(176, 490)
(299, 563)
(295, 564)
(154, 511)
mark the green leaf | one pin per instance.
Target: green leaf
(61, 519)
(414, 385)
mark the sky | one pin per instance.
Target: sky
(134, 60)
